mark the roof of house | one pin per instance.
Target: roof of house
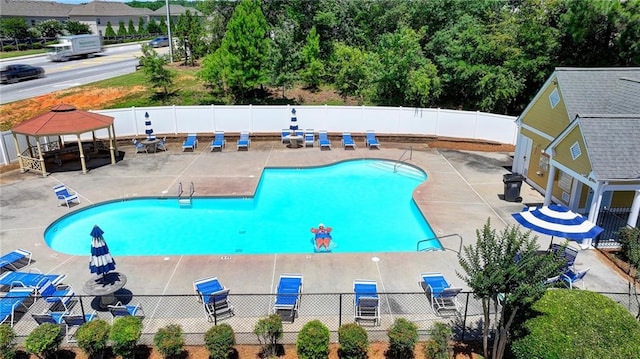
(600, 90)
(108, 8)
(176, 10)
(613, 145)
(22, 8)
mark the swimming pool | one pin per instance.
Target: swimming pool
(368, 205)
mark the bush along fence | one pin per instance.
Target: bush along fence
(332, 310)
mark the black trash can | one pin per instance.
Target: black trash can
(512, 184)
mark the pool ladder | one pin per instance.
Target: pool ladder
(185, 201)
(400, 161)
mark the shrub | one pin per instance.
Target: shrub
(169, 340)
(219, 341)
(92, 337)
(578, 324)
(354, 343)
(269, 331)
(7, 343)
(44, 340)
(9, 48)
(403, 336)
(124, 335)
(313, 341)
(437, 347)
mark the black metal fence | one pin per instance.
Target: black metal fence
(332, 309)
(611, 219)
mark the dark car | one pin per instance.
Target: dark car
(18, 72)
(159, 41)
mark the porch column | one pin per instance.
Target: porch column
(594, 210)
(548, 191)
(40, 158)
(112, 144)
(635, 209)
(84, 165)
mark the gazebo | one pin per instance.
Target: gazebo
(62, 120)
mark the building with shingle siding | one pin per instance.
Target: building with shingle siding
(97, 14)
(579, 140)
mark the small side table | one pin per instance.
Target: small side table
(105, 287)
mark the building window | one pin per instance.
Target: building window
(554, 98)
(33, 22)
(98, 21)
(575, 150)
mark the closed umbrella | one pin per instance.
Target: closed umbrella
(294, 121)
(557, 220)
(148, 129)
(101, 261)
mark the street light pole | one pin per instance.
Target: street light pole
(169, 32)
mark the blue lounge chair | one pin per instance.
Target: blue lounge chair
(244, 141)
(64, 196)
(218, 141)
(309, 138)
(214, 297)
(442, 295)
(11, 259)
(140, 147)
(31, 279)
(569, 254)
(72, 321)
(572, 277)
(49, 317)
(122, 310)
(370, 140)
(347, 141)
(366, 302)
(191, 142)
(284, 135)
(13, 301)
(323, 140)
(60, 294)
(288, 294)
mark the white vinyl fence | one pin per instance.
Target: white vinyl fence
(174, 120)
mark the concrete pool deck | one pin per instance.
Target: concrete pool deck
(463, 190)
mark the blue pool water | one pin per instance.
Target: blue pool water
(369, 207)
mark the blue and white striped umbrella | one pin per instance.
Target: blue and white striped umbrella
(294, 121)
(101, 261)
(557, 220)
(148, 130)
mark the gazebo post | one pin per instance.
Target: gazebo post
(40, 158)
(113, 144)
(17, 144)
(84, 165)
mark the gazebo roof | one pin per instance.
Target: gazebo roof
(63, 120)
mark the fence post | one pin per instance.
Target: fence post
(82, 307)
(464, 319)
(340, 310)
(215, 315)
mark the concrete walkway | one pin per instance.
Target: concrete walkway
(463, 190)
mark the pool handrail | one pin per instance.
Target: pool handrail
(439, 240)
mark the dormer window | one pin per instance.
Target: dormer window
(554, 98)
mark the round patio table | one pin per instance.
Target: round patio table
(150, 144)
(105, 287)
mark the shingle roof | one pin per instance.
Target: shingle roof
(600, 90)
(24, 8)
(176, 10)
(108, 8)
(613, 145)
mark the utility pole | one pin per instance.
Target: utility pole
(169, 32)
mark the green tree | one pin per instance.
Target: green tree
(108, 32)
(50, 28)
(283, 56)
(243, 51)
(505, 268)
(153, 27)
(77, 28)
(313, 68)
(162, 27)
(122, 30)
(13, 27)
(351, 70)
(141, 28)
(154, 69)
(131, 29)
(189, 31)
